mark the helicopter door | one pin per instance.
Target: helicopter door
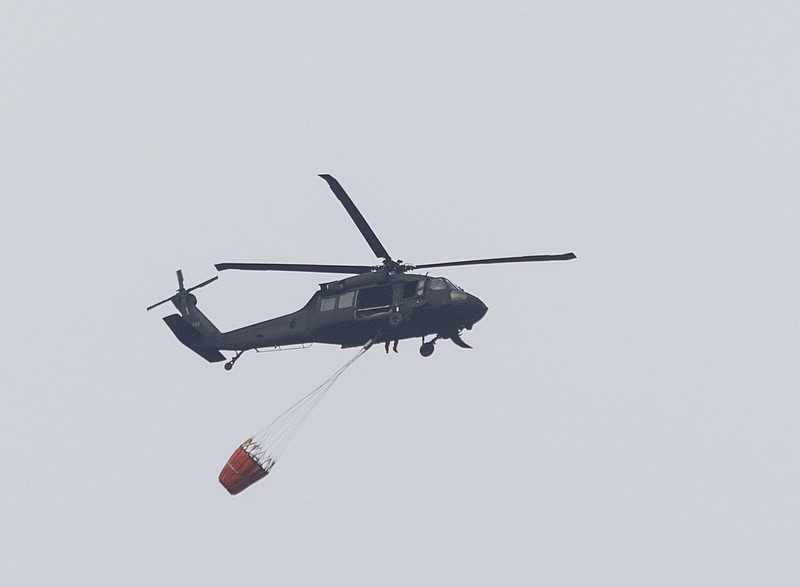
(374, 301)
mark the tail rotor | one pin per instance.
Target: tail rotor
(183, 293)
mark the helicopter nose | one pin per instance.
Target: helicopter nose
(470, 307)
(476, 308)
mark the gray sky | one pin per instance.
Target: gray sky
(628, 418)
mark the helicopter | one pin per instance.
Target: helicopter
(377, 303)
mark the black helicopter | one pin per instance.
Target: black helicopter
(382, 303)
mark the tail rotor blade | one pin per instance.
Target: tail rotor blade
(158, 304)
(180, 280)
(206, 282)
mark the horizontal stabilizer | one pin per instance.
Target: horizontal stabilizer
(192, 338)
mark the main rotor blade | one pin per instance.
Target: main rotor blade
(351, 269)
(523, 259)
(361, 223)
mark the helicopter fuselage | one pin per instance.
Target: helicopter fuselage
(376, 306)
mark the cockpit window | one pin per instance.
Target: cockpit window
(452, 285)
(442, 283)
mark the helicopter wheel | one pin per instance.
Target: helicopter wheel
(427, 348)
(229, 364)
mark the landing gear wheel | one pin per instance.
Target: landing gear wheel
(229, 364)
(427, 348)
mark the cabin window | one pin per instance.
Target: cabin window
(346, 299)
(327, 304)
(410, 289)
(374, 297)
(438, 283)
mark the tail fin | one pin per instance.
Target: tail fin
(191, 326)
(192, 337)
(187, 306)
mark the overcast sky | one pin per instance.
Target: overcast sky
(627, 418)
